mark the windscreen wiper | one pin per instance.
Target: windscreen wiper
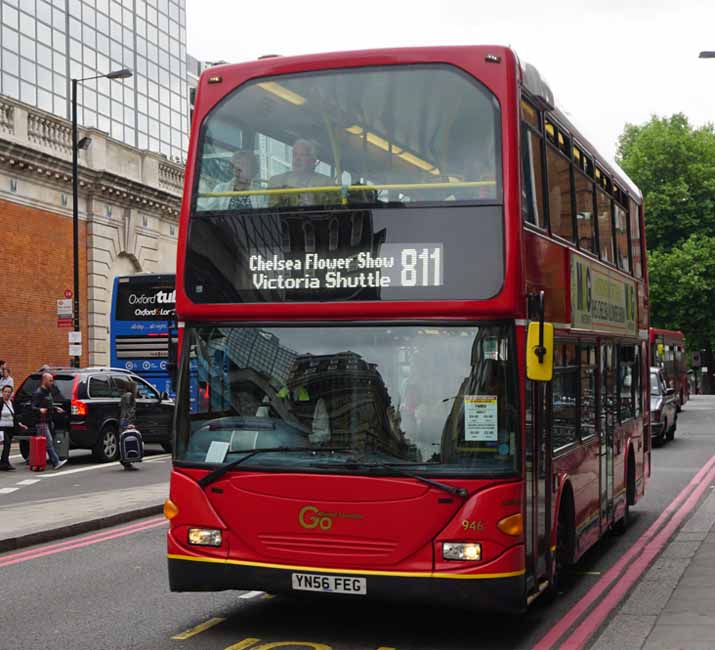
(211, 477)
(396, 467)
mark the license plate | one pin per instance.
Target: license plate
(330, 584)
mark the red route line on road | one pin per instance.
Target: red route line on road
(643, 545)
(24, 556)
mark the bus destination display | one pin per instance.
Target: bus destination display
(396, 265)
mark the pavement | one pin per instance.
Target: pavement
(672, 606)
(40, 507)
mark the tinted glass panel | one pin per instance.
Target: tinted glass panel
(584, 213)
(533, 174)
(559, 177)
(367, 136)
(61, 388)
(587, 389)
(564, 415)
(636, 240)
(621, 238)
(605, 229)
(99, 386)
(441, 397)
(400, 254)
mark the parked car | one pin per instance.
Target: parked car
(663, 408)
(90, 399)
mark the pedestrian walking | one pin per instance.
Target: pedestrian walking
(43, 410)
(8, 424)
(127, 416)
(6, 378)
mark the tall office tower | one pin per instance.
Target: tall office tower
(46, 43)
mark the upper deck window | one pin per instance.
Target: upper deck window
(368, 137)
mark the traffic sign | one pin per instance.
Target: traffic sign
(75, 349)
(64, 309)
(68, 293)
(74, 337)
(65, 323)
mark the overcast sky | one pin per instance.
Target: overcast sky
(607, 64)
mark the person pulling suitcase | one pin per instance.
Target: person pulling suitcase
(131, 444)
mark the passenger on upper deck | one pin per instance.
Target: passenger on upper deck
(245, 169)
(303, 174)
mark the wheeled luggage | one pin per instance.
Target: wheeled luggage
(131, 446)
(38, 453)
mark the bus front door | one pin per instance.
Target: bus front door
(538, 495)
(607, 424)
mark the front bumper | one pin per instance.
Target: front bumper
(656, 429)
(505, 593)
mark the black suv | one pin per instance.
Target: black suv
(90, 399)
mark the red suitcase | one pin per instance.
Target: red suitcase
(38, 451)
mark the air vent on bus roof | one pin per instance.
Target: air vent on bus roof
(535, 84)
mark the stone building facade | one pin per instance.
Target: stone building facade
(129, 202)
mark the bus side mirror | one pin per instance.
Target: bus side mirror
(540, 352)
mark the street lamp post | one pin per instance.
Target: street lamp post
(76, 146)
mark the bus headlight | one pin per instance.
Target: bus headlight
(204, 537)
(462, 551)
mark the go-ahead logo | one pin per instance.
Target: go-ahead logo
(312, 517)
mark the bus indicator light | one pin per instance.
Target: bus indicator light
(171, 510)
(513, 525)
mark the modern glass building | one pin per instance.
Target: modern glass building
(45, 43)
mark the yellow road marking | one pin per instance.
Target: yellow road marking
(242, 645)
(202, 627)
(307, 645)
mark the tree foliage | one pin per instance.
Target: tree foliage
(682, 289)
(674, 166)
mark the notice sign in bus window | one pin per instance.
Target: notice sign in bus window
(480, 418)
(395, 265)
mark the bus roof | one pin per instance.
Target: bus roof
(537, 86)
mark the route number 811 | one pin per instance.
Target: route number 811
(419, 266)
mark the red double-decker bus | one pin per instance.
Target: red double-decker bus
(365, 239)
(668, 352)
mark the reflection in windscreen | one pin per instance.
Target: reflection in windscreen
(442, 396)
(368, 136)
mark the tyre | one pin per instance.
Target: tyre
(563, 556)
(167, 447)
(621, 525)
(107, 447)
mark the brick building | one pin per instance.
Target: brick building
(128, 204)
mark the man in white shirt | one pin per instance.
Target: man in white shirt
(302, 174)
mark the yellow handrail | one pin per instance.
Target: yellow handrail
(349, 188)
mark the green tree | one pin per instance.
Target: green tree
(674, 166)
(682, 289)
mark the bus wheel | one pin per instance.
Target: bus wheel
(107, 447)
(563, 555)
(621, 525)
